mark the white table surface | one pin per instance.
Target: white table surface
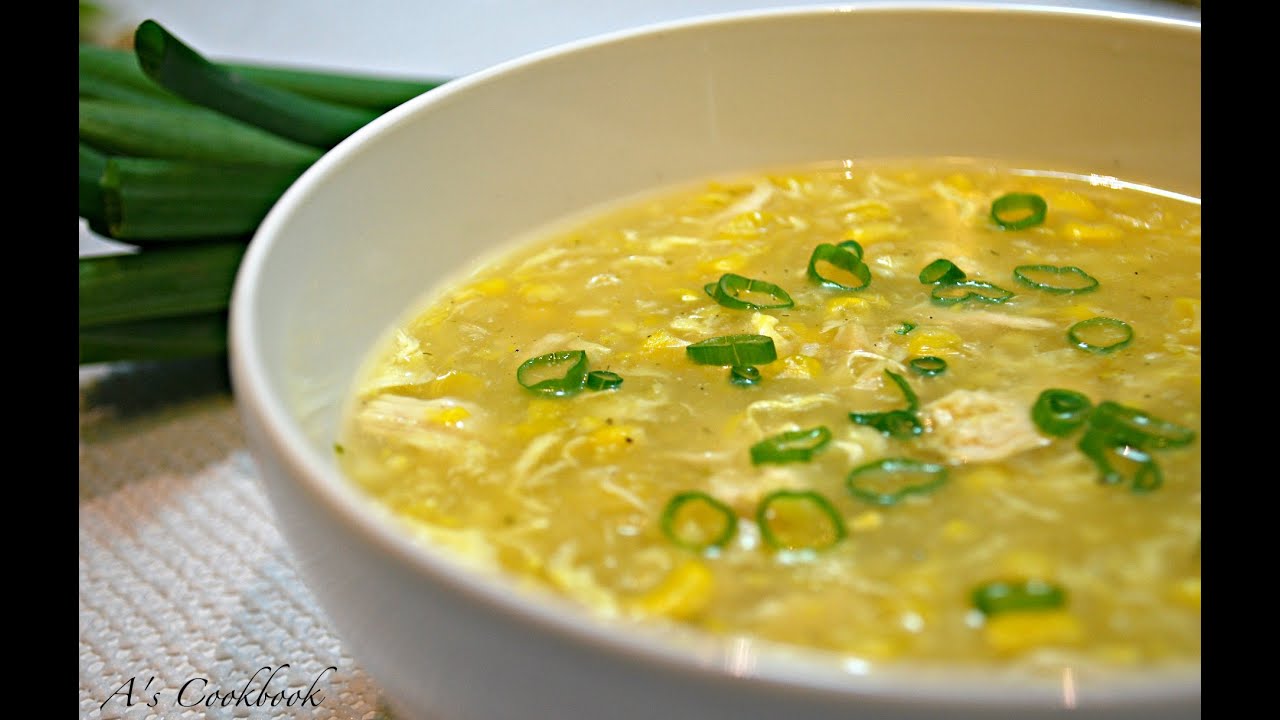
(183, 576)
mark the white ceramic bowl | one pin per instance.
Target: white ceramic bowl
(419, 193)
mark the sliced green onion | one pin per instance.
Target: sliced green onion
(696, 521)
(941, 270)
(744, 374)
(962, 290)
(905, 328)
(852, 246)
(799, 520)
(1017, 211)
(901, 424)
(573, 380)
(889, 481)
(733, 350)
(1135, 427)
(186, 73)
(928, 365)
(1017, 595)
(1149, 477)
(842, 258)
(1100, 334)
(729, 289)
(603, 380)
(1064, 280)
(792, 446)
(1058, 412)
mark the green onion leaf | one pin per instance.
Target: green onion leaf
(901, 424)
(728, 292)
(791, 446)
(1017, 595)
(161, 282)
(962, 290)
(1064, 280)
(841, 258)
(928, 365)
(178, 68)
(1135, 427)
(1017, 211)
(852, 246)
(733, 350)
(1100, 335)
(603, 380)
(889, 481)
(571, 382)
(905, 328)
(799, 520)
(941, 271)
(696, 521)
(165, 338)
(1058, 412)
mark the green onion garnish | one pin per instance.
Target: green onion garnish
(928, 365)
(729, 289)
(1100, 334)
(889, 481)
(1148, 477)
(941, 270)
(696, 521)
(1017, 595)
(792, 446)
(1064, 280)
(799, 520)
(843, 258)
(603, 380)
(1135, 427)
(901, 424)
(852, 246)
(733, 350)
(1017, 211)
(573, 380)
(905, 328)
(961, 290)
(1057, 412)
(744, 374)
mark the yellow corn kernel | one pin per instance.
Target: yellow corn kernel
(611, 438)
(959, 181)
(1075, 204)
(984, 479)
(658, 340)
(866, 521)
(1014, 632)
(1076, 313)
(795, 366)
(541, 292)
(959, 531)
(1187, 592)
(748, 224)
(1186, 312)
(449, 416)
(456, 383)
(1102, 234)
(936, 341)
(1027, 563)
(683, 593)
(848, 302)
(869, 211)
(493, 287)
(874, 232)
(877, 648)
(718, 266)
(542, 416)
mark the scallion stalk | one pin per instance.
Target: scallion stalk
(162, 282)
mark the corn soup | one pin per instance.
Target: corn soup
(939, 412)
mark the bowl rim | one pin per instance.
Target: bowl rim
(779, 666)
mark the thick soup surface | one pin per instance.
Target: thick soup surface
(951, 435)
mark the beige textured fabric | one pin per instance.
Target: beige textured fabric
(184, 579)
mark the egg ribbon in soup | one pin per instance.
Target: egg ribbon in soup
(933, 411)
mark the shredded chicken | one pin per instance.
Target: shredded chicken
(974, 425)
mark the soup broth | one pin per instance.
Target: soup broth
(943, 411)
